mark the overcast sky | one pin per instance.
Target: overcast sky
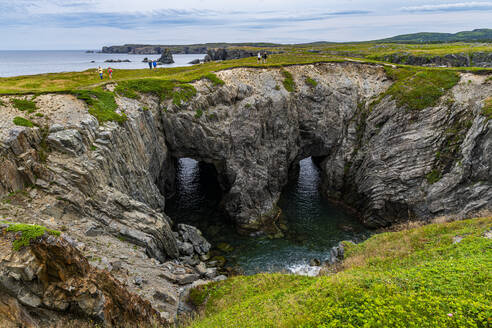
(91, 24)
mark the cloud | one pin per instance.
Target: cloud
(173, 17)
(462, 6)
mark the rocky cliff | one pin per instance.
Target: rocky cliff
(476, 59)
(384, 160)
(232, 53)
(376, 157)
(51, 281)
(106, 184)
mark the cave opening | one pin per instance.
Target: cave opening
(196, 195)
(310, 224)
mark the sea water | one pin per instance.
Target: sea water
(314, 224)
(26, 62)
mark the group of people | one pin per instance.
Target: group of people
(152, 64)
(262, 57)
(101, 72)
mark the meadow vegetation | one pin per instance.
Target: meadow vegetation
(20, 121)
(27, 233)
(438, 275)
(414, 87)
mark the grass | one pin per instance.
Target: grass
(216, 81)
(310, 82)
(420, 88)
(20, 121)
(198, 113)
(288, 81)
(412, 278)
(102, 105)
(28, 232)
(487, 108)
(433, 176)
(163, 89)
(24, 105)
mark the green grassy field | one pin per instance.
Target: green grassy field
(413, 278)
(66, 82)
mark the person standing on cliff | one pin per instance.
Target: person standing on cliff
(150, 64)
(265, 56)
(100, 71)
(154, 63)
(110, 73)
(259, 57)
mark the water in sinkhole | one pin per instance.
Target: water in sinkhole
(314, 224)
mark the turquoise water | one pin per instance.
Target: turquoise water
(314, 224)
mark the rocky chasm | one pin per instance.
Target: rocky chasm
(107, 183)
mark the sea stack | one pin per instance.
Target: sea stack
(166, 57)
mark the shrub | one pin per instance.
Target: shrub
(24, 105)
(28, 233)
(309, 81)
(433, 176)
(487, 108)
(20, 121)
(198, 113)
(288, 82)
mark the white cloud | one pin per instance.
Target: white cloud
(462, 6)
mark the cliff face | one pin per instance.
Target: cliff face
(388, 163)
(378, 159)
(477, 59)
(53, 277)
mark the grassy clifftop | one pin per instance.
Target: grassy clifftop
(438, 275)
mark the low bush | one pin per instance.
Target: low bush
(413, 278)
(24, 105)
(20, 121)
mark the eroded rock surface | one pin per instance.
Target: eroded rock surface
(53, 275)
(105, 184)
(374, 158)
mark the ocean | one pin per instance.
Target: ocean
(27, 62)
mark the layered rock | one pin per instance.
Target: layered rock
(476, 59)
(231, 53)
(374, 158)
(110, 173)
(52, 279)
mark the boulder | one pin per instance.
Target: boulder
(194, 236)
(67, 141)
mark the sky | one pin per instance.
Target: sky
(91, 24)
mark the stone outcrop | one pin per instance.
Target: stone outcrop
(154, 50)
(108, 173)
(52, 279)
(107, 183)
(375, 158)
(231, 53)
(477, 59)
(166, 57)
(225, 54)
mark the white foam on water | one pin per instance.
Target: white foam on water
(304, 269)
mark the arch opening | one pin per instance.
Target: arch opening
(310, 224)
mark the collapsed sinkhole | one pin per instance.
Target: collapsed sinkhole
(310, 224)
